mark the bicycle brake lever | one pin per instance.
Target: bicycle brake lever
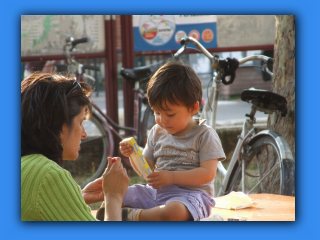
(180, 51)
(225, 82)
(229, 66)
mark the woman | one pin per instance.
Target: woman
(53, 109)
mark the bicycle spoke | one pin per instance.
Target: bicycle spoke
(263, 169)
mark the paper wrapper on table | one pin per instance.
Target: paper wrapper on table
(138, 159)
(234, 201)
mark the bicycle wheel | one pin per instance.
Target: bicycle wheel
(147, 123)
(268, 167)
(92, 158)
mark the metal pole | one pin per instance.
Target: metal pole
(111, 83)
(127, 50)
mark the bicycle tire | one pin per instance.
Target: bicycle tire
(95, 149)
(269, 167)
(147, 123)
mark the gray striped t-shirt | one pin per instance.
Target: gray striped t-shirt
(184, 153)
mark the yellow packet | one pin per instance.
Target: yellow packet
(138, 159)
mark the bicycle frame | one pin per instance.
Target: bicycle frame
(138, 97)
(210, 115)
(247, 131)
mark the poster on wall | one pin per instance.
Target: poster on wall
(43, 35)
(164, 32)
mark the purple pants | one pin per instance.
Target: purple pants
(143, 196)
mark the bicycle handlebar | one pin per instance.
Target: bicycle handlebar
(71, 42)
(89, 67)
(226, 67)
(80, 40)
(185, 41)
(254, 57)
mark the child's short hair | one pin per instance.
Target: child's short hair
(176, 83)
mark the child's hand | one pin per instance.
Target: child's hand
(160, 179)
(125, 149)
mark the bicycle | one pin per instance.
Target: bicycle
(262, 162)
(99, 143)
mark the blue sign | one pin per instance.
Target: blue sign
(164, 32)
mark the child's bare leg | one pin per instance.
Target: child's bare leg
(172, 211)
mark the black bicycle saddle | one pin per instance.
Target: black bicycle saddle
(136, 73)
(265, 99)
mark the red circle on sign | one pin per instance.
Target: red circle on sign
(195, 34)
(207, 35)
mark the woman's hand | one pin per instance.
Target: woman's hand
(115, 180)
(160, 179)
(93, 192)
(125, 149)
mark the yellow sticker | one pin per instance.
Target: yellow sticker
(137, 157)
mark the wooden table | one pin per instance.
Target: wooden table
(270, 207)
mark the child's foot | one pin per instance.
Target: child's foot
(128, 214)
(131, 214)
(100, 214)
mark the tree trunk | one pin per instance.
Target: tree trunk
(283, 81)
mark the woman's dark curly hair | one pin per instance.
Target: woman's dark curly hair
(45, 108)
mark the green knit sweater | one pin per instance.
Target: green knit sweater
(49, 193)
